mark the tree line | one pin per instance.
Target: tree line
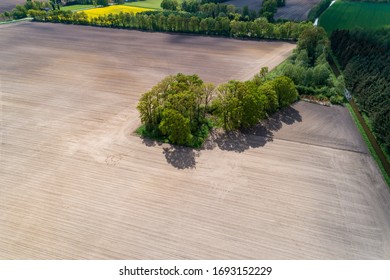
(365, 58)
(181, 109)
(180, 22)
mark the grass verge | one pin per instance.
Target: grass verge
(369, 145)
(15, 20)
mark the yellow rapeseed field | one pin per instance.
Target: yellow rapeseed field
(113, 10)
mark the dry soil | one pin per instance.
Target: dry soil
(76, 183)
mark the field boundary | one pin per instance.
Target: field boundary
(363, 128)
(370, 140)
(16, 20)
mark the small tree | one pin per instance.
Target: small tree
(285, 90)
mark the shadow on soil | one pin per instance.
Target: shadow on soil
(235, 141)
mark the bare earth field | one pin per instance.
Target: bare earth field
(296, 9)
(8, 5)
(76, 183)
(252, 4)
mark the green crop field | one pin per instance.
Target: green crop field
(349, 15)
(151, 4)
(77, 7)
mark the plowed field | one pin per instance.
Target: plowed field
(76, 183)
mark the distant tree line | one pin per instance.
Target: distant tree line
(182, 109)
(215, 9)
(365, 58)
(169, 21)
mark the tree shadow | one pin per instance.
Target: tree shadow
(149, 142)
(180, 157)
(234, 141)
(256, 136)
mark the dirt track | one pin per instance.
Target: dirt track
(77, 184)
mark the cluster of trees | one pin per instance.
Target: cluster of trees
(21, 11)
(210, 9)
(181, 22)
(181, 108)
(269, 8)
(215, 9)
(309, 69)
(318, 9)
(175, 109)
(365, 58)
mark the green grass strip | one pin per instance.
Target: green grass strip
(369, 145)
(16, 20)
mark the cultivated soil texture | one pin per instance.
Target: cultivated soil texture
(8, 5)
(296, 9)
(77, 183)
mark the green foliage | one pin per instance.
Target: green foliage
(169, 5)
(364, 57)
(285, 90)
(19, 12)
(268, 9)
(191, 6)
(369, 145)
(103, 3)
(243, 104)
(175, 109)
(309, 69)
(173, 21)
(175, 126)
(314, 40)
(318, 9)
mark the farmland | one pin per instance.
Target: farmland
(150, 4)
(8, 5)
(113, 10)
(349, 15)
(296, 9)
(252, 4)
(77, 7)
(78, 184)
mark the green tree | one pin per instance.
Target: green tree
(314, 40)
(169, 5)
(19, 12)
(103, 3)
(285, 90)
(176, 127)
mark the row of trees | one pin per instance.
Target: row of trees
(365, 58)
(181, 22)
(309, 69)
(181, 108)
